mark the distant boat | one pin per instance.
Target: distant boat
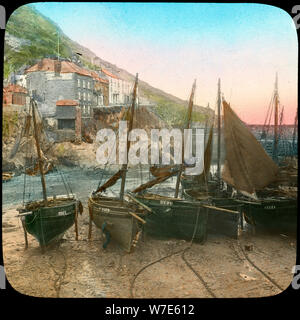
(7, 176)
(272, 137)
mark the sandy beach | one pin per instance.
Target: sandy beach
(257, 265)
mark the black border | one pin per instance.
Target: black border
(28, 306)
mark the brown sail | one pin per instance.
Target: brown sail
(110, 182)
(153, 182)
(203, 177)
(247, 166)
(161, 171)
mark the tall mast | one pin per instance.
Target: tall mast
(38, 149)
(219, 134)
(125, 166)
(294, 131)
(190, 109)
(276, 114)
(206, 123)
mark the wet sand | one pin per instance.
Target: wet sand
(218, 268)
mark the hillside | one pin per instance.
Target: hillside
(31, 36)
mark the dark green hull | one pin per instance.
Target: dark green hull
(222, 222)
(48, 224)
(121, 225)
(273, 214)
(189, 183)
(175, 218)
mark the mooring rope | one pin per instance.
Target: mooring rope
(172, 254)
(256, 267)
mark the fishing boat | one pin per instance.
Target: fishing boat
(173, 217)
(257, 178)
(119, 219)
(225, 215)
(49, 218)
(277, 143)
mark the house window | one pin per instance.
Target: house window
(78, 82)
(84, 96)
(89, 84)
(83, 83)
(79, 95)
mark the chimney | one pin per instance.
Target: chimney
(40, 65)
(57, 67)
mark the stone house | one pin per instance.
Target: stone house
(51, 80)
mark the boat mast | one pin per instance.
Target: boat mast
(276, 117)
(37, 143)
(125, 165)
(190, 109)
(219, 134)
(294, 131)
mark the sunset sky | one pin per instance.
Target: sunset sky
(170, 44)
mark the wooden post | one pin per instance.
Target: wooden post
(76, 225)
(25, 233)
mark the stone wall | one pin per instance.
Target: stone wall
(48, 89)
(64, 135)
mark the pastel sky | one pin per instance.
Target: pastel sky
(170, 44)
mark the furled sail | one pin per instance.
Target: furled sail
(110, 182)
(247, 166)
(203, 177)
(153, 182)
(161, 171)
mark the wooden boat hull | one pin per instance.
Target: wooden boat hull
(122, 226)
(175, 218)
(273, 215)
(188, 183)
(48, 224)
(218, 221)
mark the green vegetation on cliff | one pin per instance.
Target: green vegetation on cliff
(31, 36)
(37, 36)
(172, 112)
